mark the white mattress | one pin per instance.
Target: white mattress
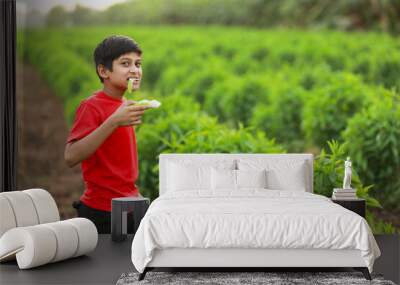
(250, 219)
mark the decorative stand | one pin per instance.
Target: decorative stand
(356, 205)
(119, 210)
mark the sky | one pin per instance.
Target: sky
(45, 5)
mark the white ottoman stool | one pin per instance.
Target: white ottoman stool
(31, 232)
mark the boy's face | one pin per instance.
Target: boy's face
(126, 66)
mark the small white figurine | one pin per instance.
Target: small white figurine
(347, 174)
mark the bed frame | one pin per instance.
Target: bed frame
(250, 257)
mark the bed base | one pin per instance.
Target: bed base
(363, 270)
(246, 258)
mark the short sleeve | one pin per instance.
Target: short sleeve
(87, 119)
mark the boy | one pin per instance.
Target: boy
(102, 137)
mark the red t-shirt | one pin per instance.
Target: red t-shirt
(111, 171)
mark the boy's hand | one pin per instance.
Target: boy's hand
(128, 114)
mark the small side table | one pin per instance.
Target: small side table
(119, 210)
(356, 205)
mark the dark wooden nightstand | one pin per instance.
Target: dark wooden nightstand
(356, 205)
(119, 210)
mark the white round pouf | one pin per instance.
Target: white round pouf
(31, 232)
(67, 239)
(87, 233)
(7, 218)
(46, 207)
(33, 246)
(23, 208)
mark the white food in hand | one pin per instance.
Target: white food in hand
(150, 103)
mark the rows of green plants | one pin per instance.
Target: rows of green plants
(243, 90)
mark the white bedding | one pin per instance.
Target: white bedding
(250, 218)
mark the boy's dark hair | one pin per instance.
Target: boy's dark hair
(111, 48)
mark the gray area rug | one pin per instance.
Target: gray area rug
(225, 278)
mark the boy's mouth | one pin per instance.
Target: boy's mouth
(132, 82)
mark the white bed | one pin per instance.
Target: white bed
(227, 217)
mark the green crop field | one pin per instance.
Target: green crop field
(250, 90)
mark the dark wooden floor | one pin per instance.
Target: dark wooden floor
(102, 266)
(106, 264)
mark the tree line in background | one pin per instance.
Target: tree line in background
(379, 15)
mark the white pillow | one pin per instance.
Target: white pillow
(223, 179)
(193, 174)
(251, 178)
(230, 180)
(188, 177)
(281, 174)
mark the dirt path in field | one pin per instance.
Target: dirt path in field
(42, 132)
